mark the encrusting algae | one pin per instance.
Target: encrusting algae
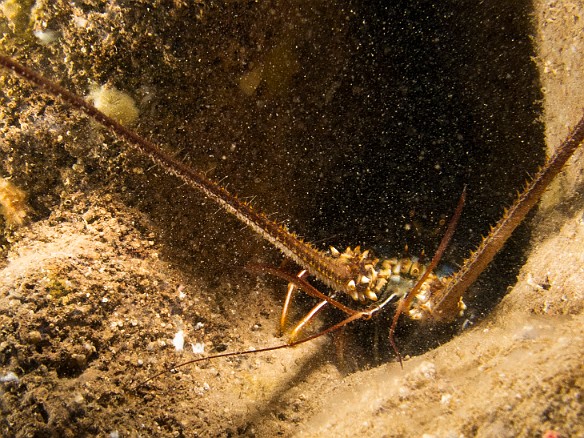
(13, 204)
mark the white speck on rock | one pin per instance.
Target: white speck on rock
(179, 340)
(446, 399)
(198, 348)
(9, 377)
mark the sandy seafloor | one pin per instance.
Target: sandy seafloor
(294, 104)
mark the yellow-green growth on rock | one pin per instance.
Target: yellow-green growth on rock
(16, 13)
(115, 103)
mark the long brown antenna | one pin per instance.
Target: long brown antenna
(405, 303)
(363, 314)
(328, 270)
(445, 302)
(344, 322)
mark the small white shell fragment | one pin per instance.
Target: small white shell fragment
(80, 22)
(179, 340)
(9, 377)
(446, 399)
(198, 348)
(46, 37)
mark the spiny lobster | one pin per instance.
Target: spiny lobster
(422, 294)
